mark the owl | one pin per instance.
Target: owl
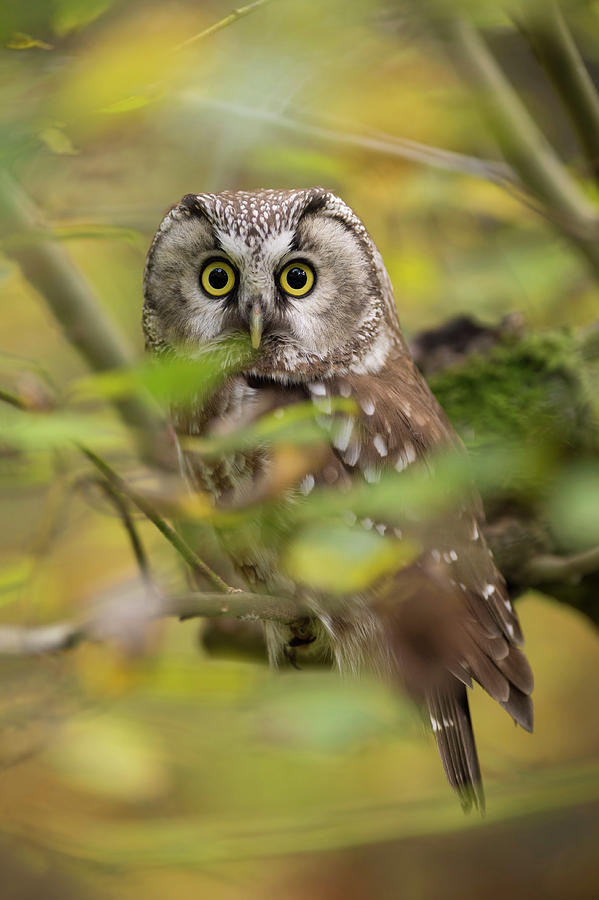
(298, 271)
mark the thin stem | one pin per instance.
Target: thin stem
(376, 142)
(524, 146)
(553, 44)
(118, 501)
(223, 23)
(74, 305)
(547, 567)
(13, 399)
(172, 536)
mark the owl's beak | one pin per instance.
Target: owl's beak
(256, 325)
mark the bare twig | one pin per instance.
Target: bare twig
(551, 40)
(223, 23)
(117, 499)
(547, 567)
(376, 142)
(16, 640)
(117, 487)
(172, 536)
(71, 300)
(522, 143)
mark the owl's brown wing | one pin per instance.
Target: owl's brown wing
(447, 617)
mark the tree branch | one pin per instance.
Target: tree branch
(117, 499)
(172, 536)
(548, 567)
(554, 46)
(74, 305)
(16, 640)
(223, 23)
(523, 145)
(385, 144)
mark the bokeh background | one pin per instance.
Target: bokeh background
(149, 768)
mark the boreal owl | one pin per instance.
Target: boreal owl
(299, 272)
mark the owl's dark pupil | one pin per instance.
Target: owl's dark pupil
(297, 278)
(218, 278)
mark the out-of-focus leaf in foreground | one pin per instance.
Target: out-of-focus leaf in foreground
(47, 431)
(171, 379)
(421, 492)
(573, 507)
(340, 558)
(110, 756)
(324, 713)
(297, 423)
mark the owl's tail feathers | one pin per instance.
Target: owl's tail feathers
(450, 719)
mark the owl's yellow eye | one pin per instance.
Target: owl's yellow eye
(297, 279)
(218, 277)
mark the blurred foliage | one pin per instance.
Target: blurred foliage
(130, 772)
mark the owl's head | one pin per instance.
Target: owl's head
(297, 270)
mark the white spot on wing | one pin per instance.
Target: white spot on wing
(401, 463)
(307, 484)
(371, 474)
(352, 454)
(380, 444)
(410, 452)
(342, 432)
(367, 405)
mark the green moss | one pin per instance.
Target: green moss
(525, 390)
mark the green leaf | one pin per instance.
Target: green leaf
(573, 507)
(172, 379)
(343, 559)
(14, 575)
(47, 431)
(73, 14)
(296, 423)
(324, 713)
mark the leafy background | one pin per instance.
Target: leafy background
(139, 768)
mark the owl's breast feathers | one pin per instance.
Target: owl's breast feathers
(446, 618)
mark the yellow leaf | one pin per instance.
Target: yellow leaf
(57, 141)
(21, 41)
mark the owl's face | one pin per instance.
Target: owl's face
(295, 269)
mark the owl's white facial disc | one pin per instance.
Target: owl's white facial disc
(344, 318)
